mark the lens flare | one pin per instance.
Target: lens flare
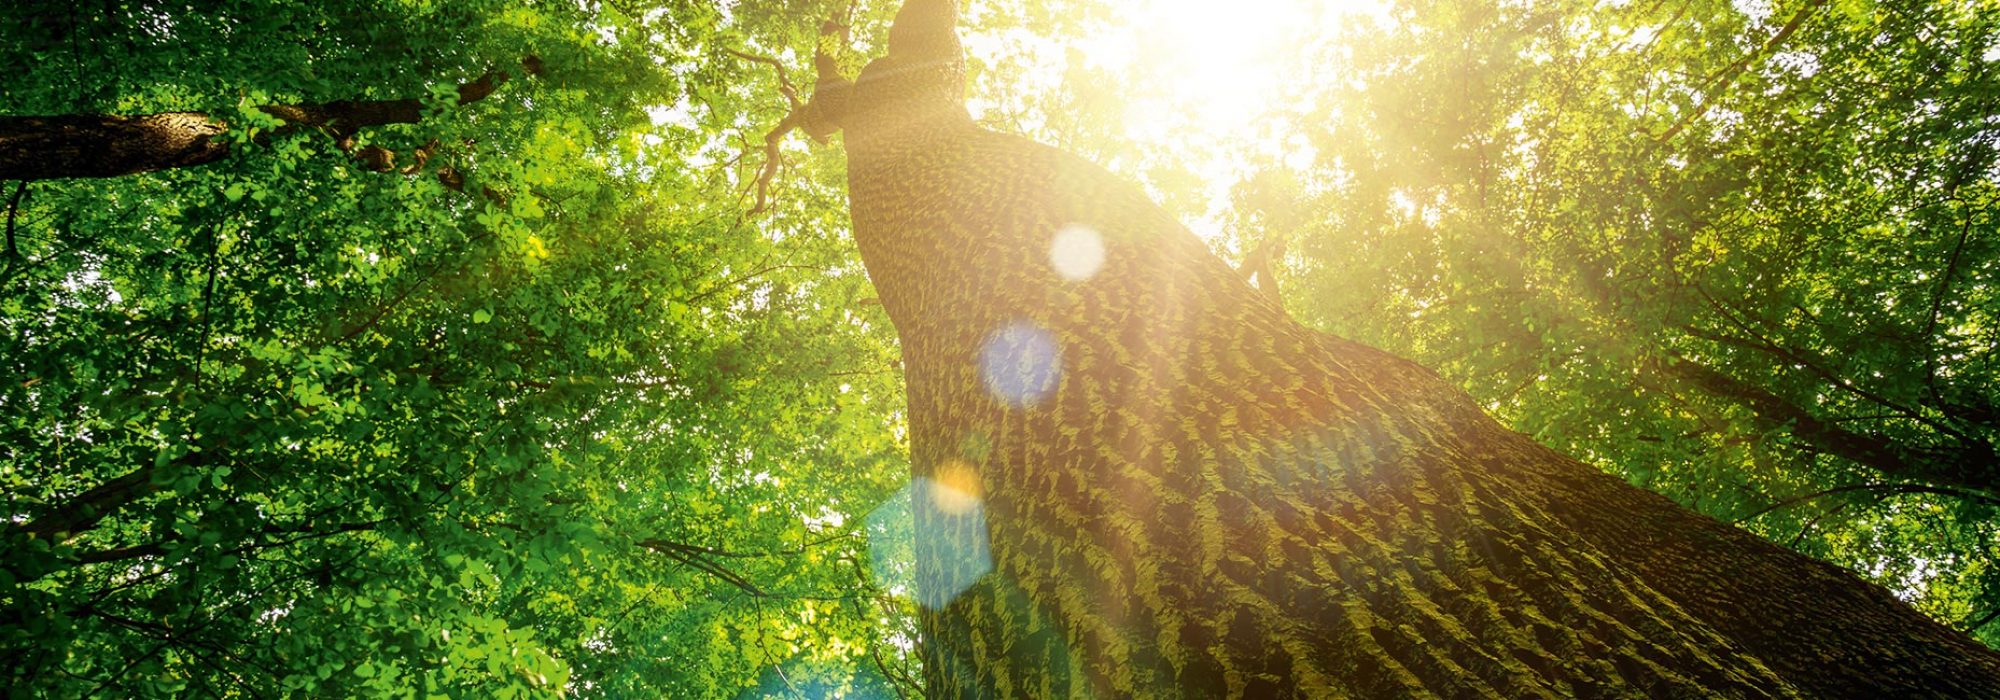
(956, 489)
(1020, 364)
(1077, 252)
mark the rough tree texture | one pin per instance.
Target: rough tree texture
(1211, 500)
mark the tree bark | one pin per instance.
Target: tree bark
(100, 145)
(1142, 479)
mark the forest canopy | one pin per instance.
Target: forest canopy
(491, 349)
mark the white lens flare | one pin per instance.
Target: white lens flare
(1077, 252)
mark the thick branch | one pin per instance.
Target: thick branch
(1873, 451)
(102, 145)
(88, 508)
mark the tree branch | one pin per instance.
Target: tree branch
(785, 86)
(1930, 324)
(1975, 625)
(102, 145)
(14, 210)
(819, 116)
(1813, 363)
(1731, 72)
(154, 549)
(693, 556)
(1260, 268)
(83, 512)
(1774, 411)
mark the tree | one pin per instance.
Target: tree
(1179, 490)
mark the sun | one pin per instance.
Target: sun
(1198, 82)
(1216, 66)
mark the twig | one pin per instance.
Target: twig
(1983, 621)
(1891, 489)
(785, 86)
(1930, 326)
(207, 301)
(730, 284)
(421, 282)
(14, 210)
(692, 556)
(1814, 522)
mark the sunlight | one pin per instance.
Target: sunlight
(1193, 87)
(938, 520)
(1222, 65)
(1200, 82)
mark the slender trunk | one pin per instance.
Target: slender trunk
(1140, 478)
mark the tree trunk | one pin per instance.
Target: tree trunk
(1140, 478)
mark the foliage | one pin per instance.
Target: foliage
(552, 430)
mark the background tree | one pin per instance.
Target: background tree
(527, 418)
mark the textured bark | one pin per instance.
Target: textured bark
(1183, 493)
(101, 145)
